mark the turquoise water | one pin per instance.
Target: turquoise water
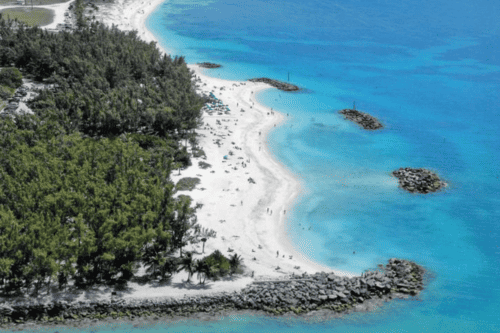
(430, 71)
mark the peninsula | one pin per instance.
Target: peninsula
(163, 184)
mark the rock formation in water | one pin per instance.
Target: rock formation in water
(277, 84)
(297, 294)
(367, 121)
(418, 180)
(208, 65)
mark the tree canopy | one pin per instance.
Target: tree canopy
(85, 188)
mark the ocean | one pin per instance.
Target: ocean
(430, 71)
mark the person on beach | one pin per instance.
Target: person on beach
(277, 254)
(268, 209)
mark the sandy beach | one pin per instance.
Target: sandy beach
(249, 217)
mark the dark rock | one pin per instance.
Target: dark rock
(208, 65)
(418, 180)
(277, 84)
(367, 121)
(319, 289)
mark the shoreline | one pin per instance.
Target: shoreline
(305, 297)
(224, 191)
(268, 165)
(282, 186)
(243, 196)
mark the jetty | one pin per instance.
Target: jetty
(277, 84)
(208, 65)
(298, 294)
(367, 121)
(418, 180)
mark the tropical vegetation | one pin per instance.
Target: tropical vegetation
(85, 187)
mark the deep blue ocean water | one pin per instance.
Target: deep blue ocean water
(430, 70)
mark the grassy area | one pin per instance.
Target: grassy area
(35, 2)
(32, 17)
(187, 184)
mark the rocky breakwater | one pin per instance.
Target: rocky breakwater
(277, 84)
(418, 180)
(367, 121)
(208, 65)
(298, 294)
(332, 292)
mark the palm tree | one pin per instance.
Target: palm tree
(153, 260)
(188, 264)
(169, 267)
(205, 234)
(204, 239)
(203, 270)
(235, 262)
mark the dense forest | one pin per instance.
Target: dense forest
(85, 188)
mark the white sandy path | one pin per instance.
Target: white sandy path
(59, 10)
(246, 225)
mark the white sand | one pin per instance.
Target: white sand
(224, 191)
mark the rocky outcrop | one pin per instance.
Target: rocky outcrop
(298, 294)
(277, 84)
(13, 106)
(208, 65)
(367, 121)
(418, 180)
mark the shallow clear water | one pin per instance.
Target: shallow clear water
(430, 71)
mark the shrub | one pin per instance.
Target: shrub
(148, 141)
(187, 184)
(6, 92)
(204, 165)
(182, 156)
(218, 263)
(198, 152)
(11, 77)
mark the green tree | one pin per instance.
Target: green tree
(187, 263)
(202, 268)
(183, 223)
(11, 77)
(170, 267)
(235, 263)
